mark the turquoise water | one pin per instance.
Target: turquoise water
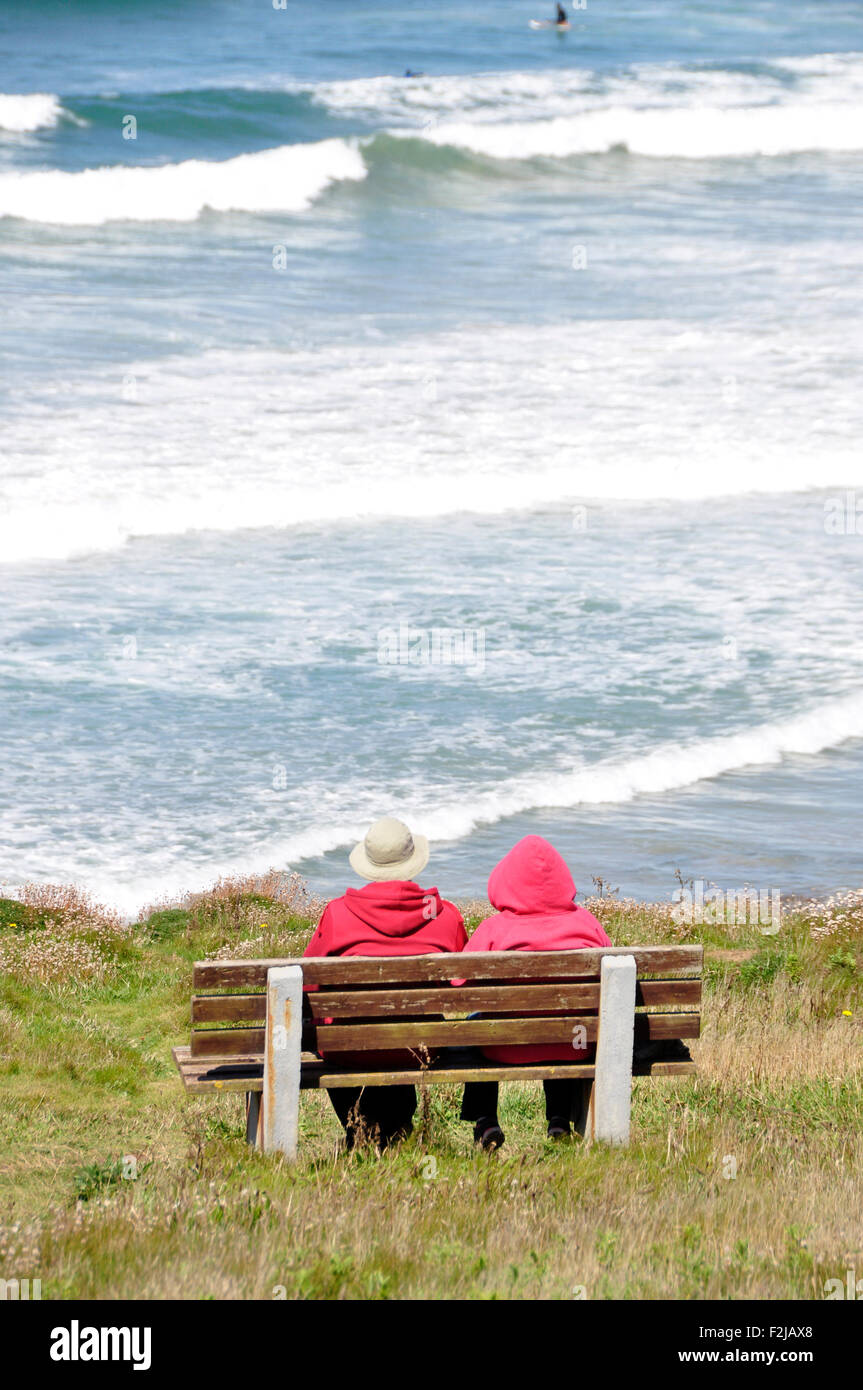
(547, 359)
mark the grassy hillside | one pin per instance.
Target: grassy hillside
(746, 1181)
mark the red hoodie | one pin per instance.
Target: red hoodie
(534, 893)
(397, 918)
(388, 919)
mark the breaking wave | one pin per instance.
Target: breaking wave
(287, 179)
(29, 112)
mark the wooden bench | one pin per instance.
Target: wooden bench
(254, 1030)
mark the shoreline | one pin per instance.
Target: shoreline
(722, 904)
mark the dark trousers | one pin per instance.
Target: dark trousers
(383, 1112)
(563, 1099)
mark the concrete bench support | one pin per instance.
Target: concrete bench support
(282, 1060)
(611, 1101)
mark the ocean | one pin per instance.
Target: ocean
(480, 446)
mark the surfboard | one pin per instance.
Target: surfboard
(547, 24)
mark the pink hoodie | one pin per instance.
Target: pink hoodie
(534, 893)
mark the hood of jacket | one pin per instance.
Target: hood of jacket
(533, 892)
(532, 879)
(396, 908)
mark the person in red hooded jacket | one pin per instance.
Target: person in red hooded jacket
(390, 916)
(534, 894)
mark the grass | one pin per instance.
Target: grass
(743, 1182)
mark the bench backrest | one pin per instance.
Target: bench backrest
(378, 1003)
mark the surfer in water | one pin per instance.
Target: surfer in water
(561, 15)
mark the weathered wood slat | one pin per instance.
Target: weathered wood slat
(360, 1037)
(229, 1008)
(516, 966)
(225, 1075)
(205, 1075)
(228, 1042)
(490, 998)
(183, 1057)
(374, 1036)
(492, 1071)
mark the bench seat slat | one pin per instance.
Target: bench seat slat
(217, 1075)
(208, 1075)
(502, 965)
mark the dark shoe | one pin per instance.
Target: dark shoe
(558, 1128)
(488, 1133)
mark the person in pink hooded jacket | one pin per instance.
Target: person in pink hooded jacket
(534, 894)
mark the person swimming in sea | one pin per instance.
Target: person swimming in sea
(561, 15)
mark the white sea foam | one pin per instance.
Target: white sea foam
(29, 112)
(287, 179)
(228, 441)
(663, 110)
(664, 132)
(665, 769)
(660, 110)
(542, 94)
(489, 94)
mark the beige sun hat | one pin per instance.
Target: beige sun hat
(389, 851)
